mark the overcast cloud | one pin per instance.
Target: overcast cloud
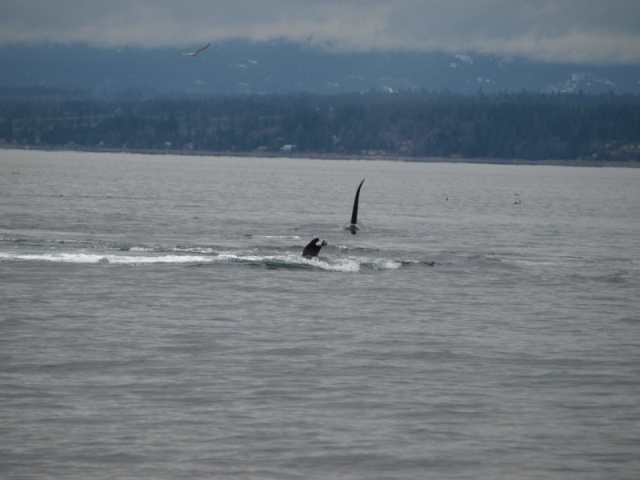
(600, 31)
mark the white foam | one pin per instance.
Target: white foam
(334, 265)
(385, 264)
(283, 237)
(337, 265)
(140, 249)
(203, 250)
(340, 264)
(93, 258)
(331, 265)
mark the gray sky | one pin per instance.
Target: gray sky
(600, 31)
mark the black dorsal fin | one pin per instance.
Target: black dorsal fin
(354, 213)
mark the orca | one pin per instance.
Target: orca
(353, 226)
(313, 249)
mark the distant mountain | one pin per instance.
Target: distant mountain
(241, 67)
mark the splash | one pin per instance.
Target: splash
(289, 260)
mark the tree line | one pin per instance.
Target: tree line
(531, 126)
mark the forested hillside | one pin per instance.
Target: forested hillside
(412, 125)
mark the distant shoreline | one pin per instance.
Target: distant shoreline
(333, 156)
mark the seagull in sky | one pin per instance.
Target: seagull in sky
(195, 54)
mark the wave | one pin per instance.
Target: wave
(98, 258)
(278, 237)
(207, 256)
(293, 261)
(282, 253)
(334, 258)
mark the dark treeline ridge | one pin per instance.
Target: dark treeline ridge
(531, 126)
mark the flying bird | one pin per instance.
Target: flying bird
(195, 54)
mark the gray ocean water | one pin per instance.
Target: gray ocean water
(158, 321)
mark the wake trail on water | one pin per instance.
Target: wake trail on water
(38, 250)
(339, 264)
(337, 259)
(284, 252)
